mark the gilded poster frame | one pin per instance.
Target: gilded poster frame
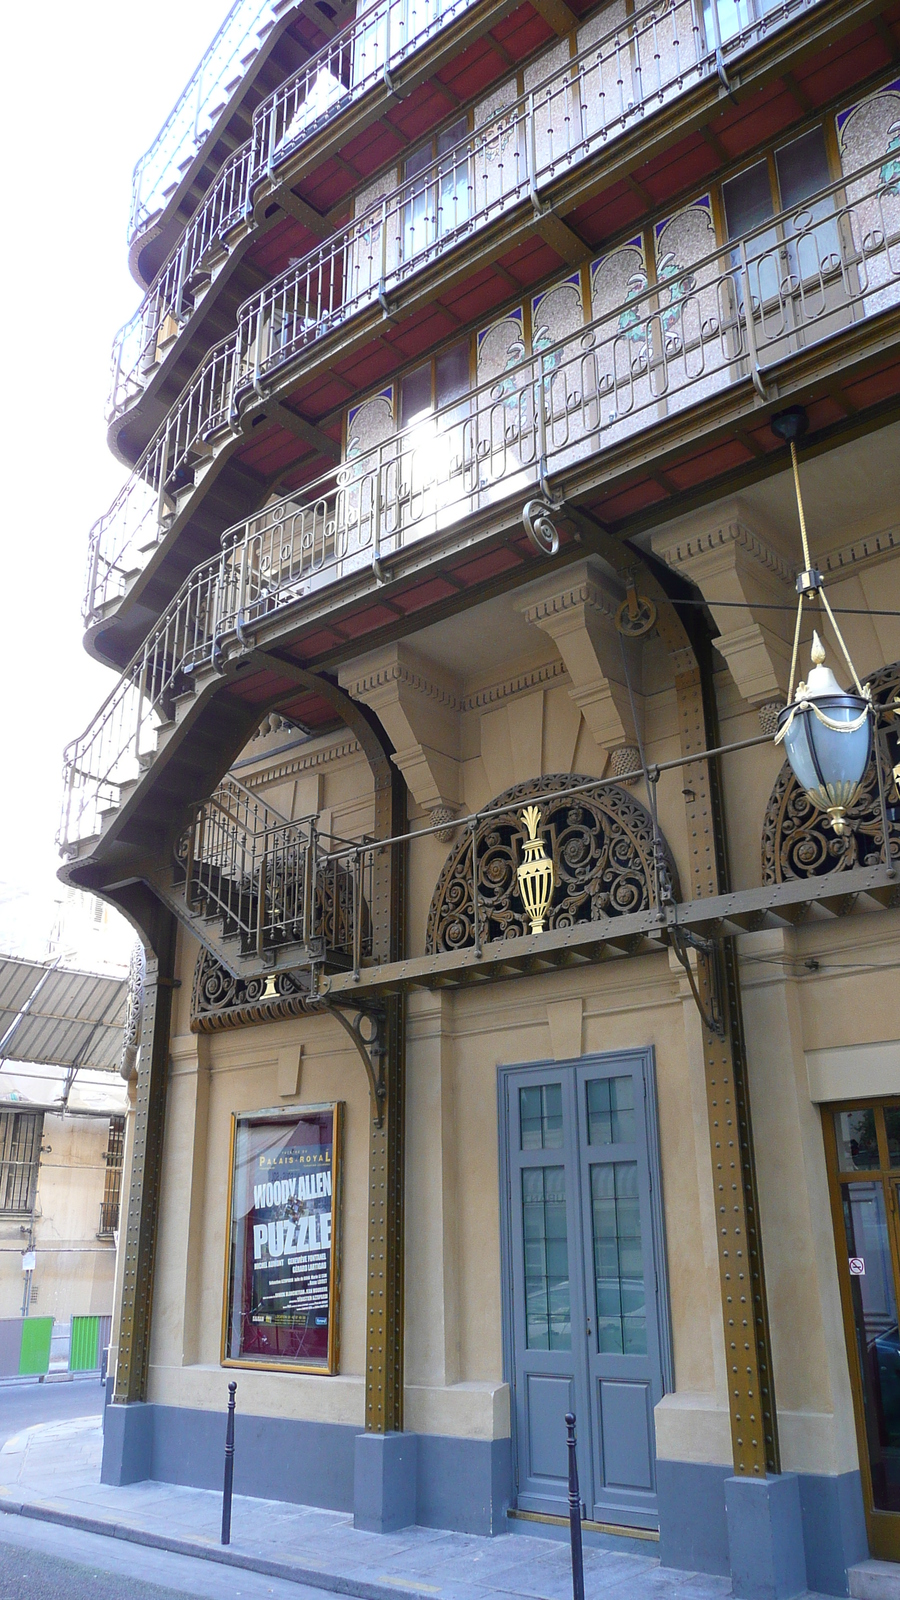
(285, 1114)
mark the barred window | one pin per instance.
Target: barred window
(112, 1184)
(20, 1158)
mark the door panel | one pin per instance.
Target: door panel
(547, 1401)
(585, 1305)
(550, 1376)
(626, 1435)
(623, 1338)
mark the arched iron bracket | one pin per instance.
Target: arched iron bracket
(367, 1030)
(682, 938)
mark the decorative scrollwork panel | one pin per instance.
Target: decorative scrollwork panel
(220, 1001)
(607, 862)
(797, 839)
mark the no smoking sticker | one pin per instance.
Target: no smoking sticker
(857, 1267)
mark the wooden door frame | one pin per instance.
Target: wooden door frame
(882, 1527)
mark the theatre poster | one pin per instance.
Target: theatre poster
(283, 1252)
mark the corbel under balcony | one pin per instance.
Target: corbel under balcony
(578, 610)
(743, 569)
(418, 706)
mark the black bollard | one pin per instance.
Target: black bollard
(574, 1512)
(229, 1468)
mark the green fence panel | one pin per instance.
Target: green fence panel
(84, 1345)
(35, 1356)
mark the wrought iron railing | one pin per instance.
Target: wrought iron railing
(197, 108)
(805, 275)
(352, 63)
(273, 882)
(640, 63)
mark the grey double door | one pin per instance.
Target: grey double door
(587, 1324)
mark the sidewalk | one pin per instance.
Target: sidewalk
(52, 1471)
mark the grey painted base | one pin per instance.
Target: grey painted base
(694, 1527)
(384, 1481)
(765, 1537)
(461, 1484)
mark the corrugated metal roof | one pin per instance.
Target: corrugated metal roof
(75, 1019)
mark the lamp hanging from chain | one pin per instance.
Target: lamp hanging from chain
(827, 732)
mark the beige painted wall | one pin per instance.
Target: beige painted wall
(75, 1270)
(518, 717)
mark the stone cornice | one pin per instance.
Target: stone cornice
(306, 763)
(533, 678)
(868, 547)
(730, 531)
(585, 592)
(382, 676)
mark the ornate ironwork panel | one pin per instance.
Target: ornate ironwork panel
(607, 862)
(797, 839)
(220, 1001)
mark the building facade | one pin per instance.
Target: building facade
(502, 1052)
(63, 1106)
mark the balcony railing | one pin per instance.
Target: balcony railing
(363, 54)
(649, 59)
(269, 880)
(221, 68)
(658, 52)
(804, 276)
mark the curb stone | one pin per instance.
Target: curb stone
(225, 1555)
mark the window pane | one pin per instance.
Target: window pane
(856, 1141)
(618, 1258)
(453, 135)
(540, 1117)
(802, 167)
(415, 394)
(610, 1107)
(878, 1344)
(548, 1323)
(452, 374)
(892, 1126)
(748, 199)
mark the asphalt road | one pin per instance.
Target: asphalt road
(41, 1561)
(24, 1404)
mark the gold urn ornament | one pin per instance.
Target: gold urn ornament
(537, 879)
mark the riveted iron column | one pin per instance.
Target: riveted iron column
(143, 1196)
(748, 1350)
(384, 1312)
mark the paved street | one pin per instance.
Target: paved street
(39, 1561)
(22, 1405)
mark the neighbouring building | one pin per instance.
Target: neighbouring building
(63, 1105)
(517, 1037)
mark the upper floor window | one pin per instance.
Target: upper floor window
(437, 199)
(20, 1157)
(733, 15)
(112, 1182)
(781, 181)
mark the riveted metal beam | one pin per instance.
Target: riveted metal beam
(146, 1165)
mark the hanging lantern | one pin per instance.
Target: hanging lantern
(536, 877)
(827, 737)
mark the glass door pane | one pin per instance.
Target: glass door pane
(875, 1318)
(548, 1291)
(624, 1363)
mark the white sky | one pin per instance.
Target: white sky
(86, 88)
